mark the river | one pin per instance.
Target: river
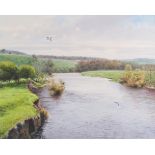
(92, 107)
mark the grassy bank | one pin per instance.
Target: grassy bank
(16, 105)
(116, 75)
(113, 75)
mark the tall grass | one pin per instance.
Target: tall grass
(56, 87)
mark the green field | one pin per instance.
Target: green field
(113, 75)
(64, 65)
(17, 59)
(16, 105)
(59, 65)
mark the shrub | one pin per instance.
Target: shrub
(137, 79)
(127, 74)
(134, 78)
(8, 71)
(26, 71)
(55, 87)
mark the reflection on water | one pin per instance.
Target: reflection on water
(98, 108)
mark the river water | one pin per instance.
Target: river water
(92, 107)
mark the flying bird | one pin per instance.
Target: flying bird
(49, 38)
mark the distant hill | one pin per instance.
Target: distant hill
(138, 61)
(141, 61)
(4, 51)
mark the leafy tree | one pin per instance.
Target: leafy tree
(8, 70)
(17, 76)
(26, 71)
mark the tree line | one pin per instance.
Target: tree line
(105, 64)
(99, 64)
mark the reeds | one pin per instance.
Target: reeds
(56, 87)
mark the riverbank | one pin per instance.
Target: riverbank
(113, 75)
(116, 76)
(17, 104)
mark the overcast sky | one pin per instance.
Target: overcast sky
(99, 36)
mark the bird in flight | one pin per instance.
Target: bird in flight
(49, 38)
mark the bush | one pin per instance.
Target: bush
(55, 87)
(127, 74)
(134, 78)
(137, 79)
(8, 71)
(27, 71)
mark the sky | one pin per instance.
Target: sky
(113, 37)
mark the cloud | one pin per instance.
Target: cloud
(100, 36)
